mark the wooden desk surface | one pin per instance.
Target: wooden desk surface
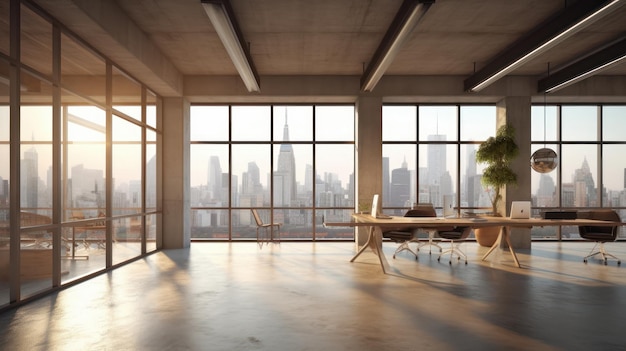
(474, 222)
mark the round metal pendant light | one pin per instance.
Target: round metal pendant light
(544, 160)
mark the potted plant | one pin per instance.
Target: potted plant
(497, 152)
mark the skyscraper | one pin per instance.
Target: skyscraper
(285, 190)
(215, 178)
(400, 186)
(29, 179)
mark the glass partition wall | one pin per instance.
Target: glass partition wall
(78, 159)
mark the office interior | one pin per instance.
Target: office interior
(122, 85)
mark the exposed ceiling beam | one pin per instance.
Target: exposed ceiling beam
(609, 55)
(545, 36)
(407, 17)
(222, 16)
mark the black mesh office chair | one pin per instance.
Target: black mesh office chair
(456, 236)
(599, 234)
(406, 236)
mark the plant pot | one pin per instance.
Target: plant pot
(486, 236)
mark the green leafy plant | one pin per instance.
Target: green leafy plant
(498, 152)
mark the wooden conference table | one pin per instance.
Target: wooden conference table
(378, 225)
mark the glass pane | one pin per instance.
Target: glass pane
(213, 224)
(543, 185)
(36, 123)
(86, 124)
(4, 121)
(127, 179)
(579, 165)
(151, 231)
(36, 42)
(250, 174)
(244, 226)
(293, 123)
(293, 176)
(334, 123)
(82, 72)
(209, 123)
(437, 123)
(4, 94)
(334, 175)
(543, 123)
(126, 91)
(437, 162)
(209, 175)
(333, 215)
(613, 126)
(126, 238)
(400, 123)
(399, 178)
(477, 122)
(296, 224)
(125, 131)
(614, 175)
(579, 123)
(4, 34)
(251, 123)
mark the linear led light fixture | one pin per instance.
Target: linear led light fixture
(582, 14)
(407, 17)
(222, 17)
(612, 54)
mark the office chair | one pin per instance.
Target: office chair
(268, 229)
(456, 236)
(404, 237)
(599, 234)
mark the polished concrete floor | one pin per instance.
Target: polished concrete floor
(308, 296)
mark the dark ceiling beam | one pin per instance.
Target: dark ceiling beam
(595, 63)
(407, 18)
(545, 36)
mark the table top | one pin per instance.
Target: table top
(474, 222)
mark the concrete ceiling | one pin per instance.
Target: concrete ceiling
(330, 37)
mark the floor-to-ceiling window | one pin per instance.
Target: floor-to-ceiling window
(429, 152)
(293, 163)
(589, 140)
(78, 155)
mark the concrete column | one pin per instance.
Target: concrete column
(515, 111)
(176, 201)
(369, 154)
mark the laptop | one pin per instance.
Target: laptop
(376, 212)
(520, 210)
(448, 206)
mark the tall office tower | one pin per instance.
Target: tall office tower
(385, 181)
(215, 178)
(546, 190)
(251, 180)
(471, 187)
(586, 193)
(285, 187)
(351, 190)
(4, 193)
(624, 178)
(436, 159)
(400, 186)
(568, 193)
(29, 179)
(308, 178)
